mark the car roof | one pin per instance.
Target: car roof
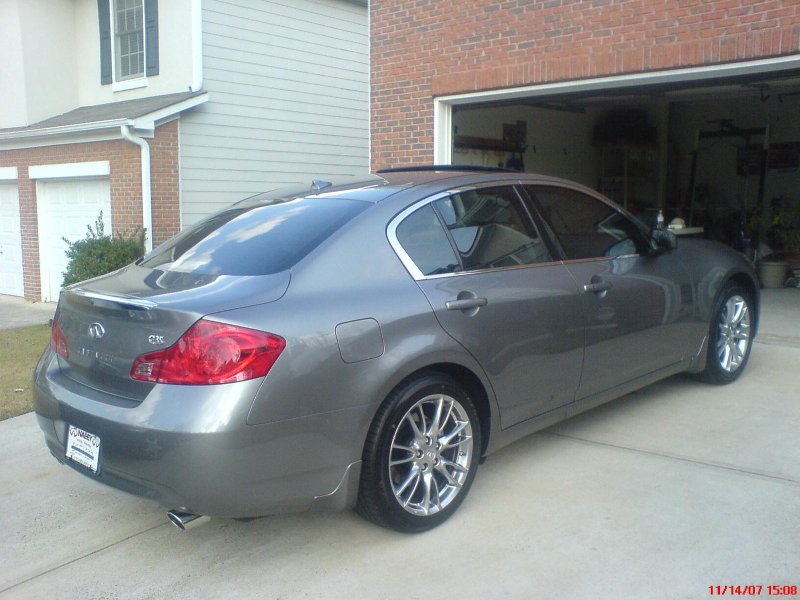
(384, 183)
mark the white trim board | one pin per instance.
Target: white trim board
(100, 168)
(8, 173)
(80, 138)
(753, 67)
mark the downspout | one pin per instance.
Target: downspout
(147, 199)
(197, 46)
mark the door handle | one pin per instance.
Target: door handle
(465, 303)
(600, 286)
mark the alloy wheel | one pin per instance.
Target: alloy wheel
(733, 333)
(431, 454)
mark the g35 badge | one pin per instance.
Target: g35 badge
(155, 339)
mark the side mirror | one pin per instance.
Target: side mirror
(663, 240)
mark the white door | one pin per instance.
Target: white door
(65, 209)
(10, 241)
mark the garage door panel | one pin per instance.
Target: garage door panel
(65, 210)
(10, 241)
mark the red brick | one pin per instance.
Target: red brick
(449, 47)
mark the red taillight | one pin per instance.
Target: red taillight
(211, 353)
(58, 341)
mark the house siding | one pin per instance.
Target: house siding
(421, 50)
(288, 84)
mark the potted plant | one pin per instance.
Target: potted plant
(783, 235)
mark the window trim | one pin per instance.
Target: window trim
(391, 234)
(116, 65)
(109, 72)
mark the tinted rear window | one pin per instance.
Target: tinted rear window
(254, 240)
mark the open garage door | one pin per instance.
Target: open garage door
(65, 208)
(10, 241)
(720, 155)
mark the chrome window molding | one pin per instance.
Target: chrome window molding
(391, 234)
(410, 265)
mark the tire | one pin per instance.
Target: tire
(729, 336)
(415, 474)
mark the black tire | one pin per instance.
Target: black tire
(729, 335)
(437, 464)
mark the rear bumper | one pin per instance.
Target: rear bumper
(190, 448)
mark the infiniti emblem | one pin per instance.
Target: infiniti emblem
(96, 331)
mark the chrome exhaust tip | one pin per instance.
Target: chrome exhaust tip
(185, 521)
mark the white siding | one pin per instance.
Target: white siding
(37, 77)
(288, 85)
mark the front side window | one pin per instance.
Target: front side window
(129, 38)
(585, 226)
(490, 229)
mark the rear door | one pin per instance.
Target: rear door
(495, 288)
(637, 305)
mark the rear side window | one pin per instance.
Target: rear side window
(490, 229)
(472, 230)
(424, 240)
(254, 240)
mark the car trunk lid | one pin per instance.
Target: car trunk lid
(111, 320)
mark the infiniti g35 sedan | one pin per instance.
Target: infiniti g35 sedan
(367, 344)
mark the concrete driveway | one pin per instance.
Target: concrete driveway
(18, 312)
(660, 494)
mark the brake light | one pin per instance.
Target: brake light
(58, 341)
(211, 353)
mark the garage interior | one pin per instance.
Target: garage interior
(723, 156)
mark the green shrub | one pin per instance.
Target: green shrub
(99, 253)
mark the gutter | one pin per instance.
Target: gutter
(64, 129)
(147, 198)
(146, 121)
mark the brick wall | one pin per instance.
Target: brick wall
(125, 183)
(165, 182)
(424, 49)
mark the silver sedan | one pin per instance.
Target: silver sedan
(367, 345)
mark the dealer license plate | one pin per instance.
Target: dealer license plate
(83, 447)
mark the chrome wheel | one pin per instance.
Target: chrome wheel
(431, 454)
(733, 336)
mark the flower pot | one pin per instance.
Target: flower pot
(772, 273)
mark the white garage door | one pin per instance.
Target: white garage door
(65, 209)
(10, 241)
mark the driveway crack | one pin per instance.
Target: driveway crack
(80, 558)
(684, 459)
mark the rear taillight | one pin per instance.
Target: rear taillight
(210, 353)
(58, 341)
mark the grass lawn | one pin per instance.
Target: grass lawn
(20, 349)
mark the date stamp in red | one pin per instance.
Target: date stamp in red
(752, 590)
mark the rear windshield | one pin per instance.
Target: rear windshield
(254, 240)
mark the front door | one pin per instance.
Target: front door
(637, 305)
